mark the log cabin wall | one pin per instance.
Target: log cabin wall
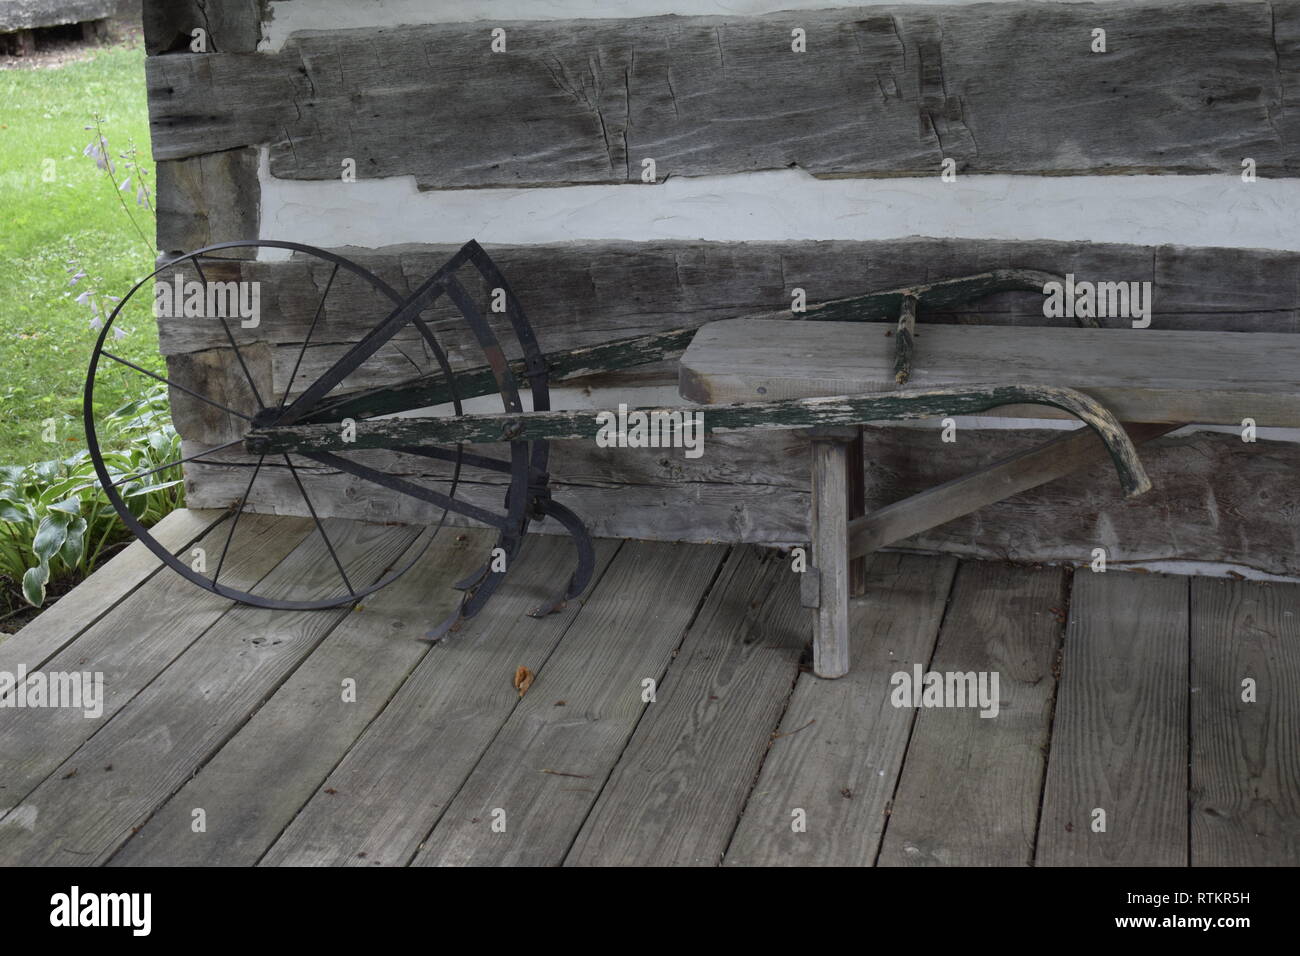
(773, 170)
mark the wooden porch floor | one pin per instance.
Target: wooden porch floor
(1118, 691)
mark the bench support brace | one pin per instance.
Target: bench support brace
(842, 535)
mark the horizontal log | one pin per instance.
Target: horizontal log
(1214, 497)
(961, 496)
(1185, 86)
(581, 294)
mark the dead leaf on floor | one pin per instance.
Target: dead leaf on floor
(523, 679)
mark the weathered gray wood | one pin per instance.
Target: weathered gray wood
(970, 786)
(1119, 739)
(131, 645)
(59, 624)
(857, 508)
(953, 499)
(589, 100)
(638, 351)
(904, 341)
(757, 491)
(318, 442)
(299, 735)
(592, 292)
(232, 26)
(841, 742)
(29, 14)
(172, 727)
(585, 294)
(753, 487)
(207, 199)
(1205, 502)
(547, 765)
(394, 784)
(678, 788)
(1140, 375)
(1245, 762)
(435, 389)
(830, 554)
(218, 376)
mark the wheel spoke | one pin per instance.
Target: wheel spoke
(178, 461)
(319, 527)
(171, 384)
(468, 458)
(234, 523)
(231, 336)
(393, 483)
(303, 351)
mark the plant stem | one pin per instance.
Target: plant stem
(108, 168)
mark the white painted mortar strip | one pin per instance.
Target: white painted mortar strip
(788, 205)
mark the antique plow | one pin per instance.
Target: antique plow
(335, 424)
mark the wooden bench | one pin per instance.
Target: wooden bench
(1152, 380)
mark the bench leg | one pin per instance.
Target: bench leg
(830, 552)
(857, 509)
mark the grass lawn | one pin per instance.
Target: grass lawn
(53, 215)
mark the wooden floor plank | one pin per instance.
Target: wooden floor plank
(131, 645)
(842, 740)
(546, 767)
(387, 793)
(677, 791)
(298, 736)
(1119, 739)
(85, 811)
(970, 786)
(1245, 766)
(94, 597)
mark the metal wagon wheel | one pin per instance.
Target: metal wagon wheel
(238, 405)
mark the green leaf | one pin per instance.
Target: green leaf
(16, 512)
(44, 470)
(71, 506)
(50, 535)
(34, 584)
(74, 545)
(138, 489)
(130, 408)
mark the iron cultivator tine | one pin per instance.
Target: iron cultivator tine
(581, 576)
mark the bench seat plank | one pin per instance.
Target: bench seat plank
(1141, 375)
